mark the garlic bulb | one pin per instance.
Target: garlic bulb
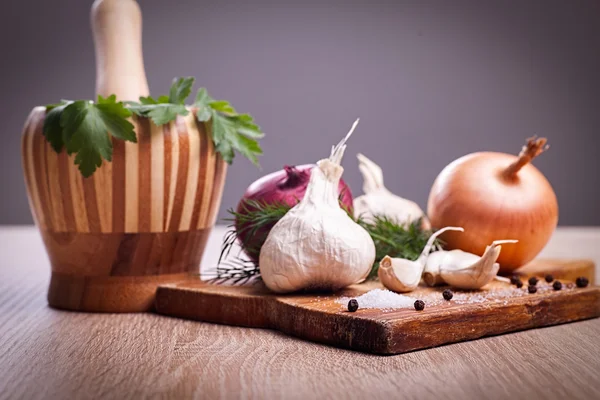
(378, 200)
(316, 245)
(464, 270)
(402, 275)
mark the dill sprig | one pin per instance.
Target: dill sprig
(396, 240)
(256, 219)
(235, 271)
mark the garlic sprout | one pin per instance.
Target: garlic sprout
(316, 245)
(378, 200)
(402, 275)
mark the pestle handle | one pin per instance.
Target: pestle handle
(117, 29)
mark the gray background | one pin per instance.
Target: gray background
(431, 81)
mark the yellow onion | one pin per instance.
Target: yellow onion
(496, 195)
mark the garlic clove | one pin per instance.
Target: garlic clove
(431, 273)
(398, 274)
(476, 275)
(402, 275)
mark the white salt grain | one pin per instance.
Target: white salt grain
(387, 300)
(380, 298)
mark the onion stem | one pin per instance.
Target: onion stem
(533, 148)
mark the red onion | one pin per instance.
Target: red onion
(286, 186)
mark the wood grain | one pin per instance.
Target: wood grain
(51, 354)
(118, 272)
(148, 191)
(554, 267)
(145, 183)
(117, 29)
(320, 318)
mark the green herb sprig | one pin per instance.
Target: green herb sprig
(166, 108)
(396, 240)
(256, 220)
(85, 127)
(82, 128)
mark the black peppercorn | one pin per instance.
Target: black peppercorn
(514, 279)
(532, 289)
(582, 281)
(533, 281)
(419, 305)
(352, 305)
(447, 294)
(557, 285)
(519, 284)
(549, 278)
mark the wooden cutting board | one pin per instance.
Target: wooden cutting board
(319, 317)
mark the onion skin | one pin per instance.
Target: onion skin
(477, 193)
(286, 186)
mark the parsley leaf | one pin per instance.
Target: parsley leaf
(84, 128)
(52, 129)
(166, 108)
(230, 130)
(204, 112)
(160, 113)
(181, 89)
(114, 115)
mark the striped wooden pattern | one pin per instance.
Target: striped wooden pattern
(170, 181)
(138, 221)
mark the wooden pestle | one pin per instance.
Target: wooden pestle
(117, 29)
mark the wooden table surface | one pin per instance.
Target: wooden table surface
(46, 353)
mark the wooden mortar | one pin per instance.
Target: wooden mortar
(138, 221)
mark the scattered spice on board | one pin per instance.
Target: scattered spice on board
(352, 305)
(474, 296)
(549, 278)
(532, 289)
(557, 285)
(380, 298)
(582, 282)
(388, 301)
(419, 305)
(519, 284)
(533, 281)
(447, 294)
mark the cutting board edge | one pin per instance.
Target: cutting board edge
(387, 337)
(169, 300)
(581, 304)
(366, 334)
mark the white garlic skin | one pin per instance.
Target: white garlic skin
(399, 275)
(316, 245)
(431, 273)
(384, 203)
(379, 201)
(464, 270)
(402, 275)
(474, 276)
